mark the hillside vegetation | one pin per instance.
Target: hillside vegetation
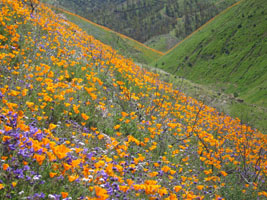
(229, 54)
(80, 121)
(162, 42)
(124, 45)
(142, 20)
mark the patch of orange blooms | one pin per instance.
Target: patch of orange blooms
(105, 124)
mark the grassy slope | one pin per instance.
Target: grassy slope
(143, 20)
(253, 115)
(229, 54)
(124, 45)
(162, 42)
(166, 42)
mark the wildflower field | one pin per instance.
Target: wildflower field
(79, 121)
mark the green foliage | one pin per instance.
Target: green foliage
(126, 47)
(229, 54)
(142, 20)
(162, 42)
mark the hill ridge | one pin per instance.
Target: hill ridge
(228, 55)
(142, 44)
(104, 27)
(204, 25)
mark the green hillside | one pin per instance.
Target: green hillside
(143, 20)
(229, 54)
(162, 42)
(124, 45)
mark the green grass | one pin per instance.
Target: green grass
(250, 114)
(126, 47)
(162, 42)
(229, 55)
(143, 20)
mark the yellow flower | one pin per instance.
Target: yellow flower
(64, 195)
(200, 187)
(123, 188)
(51, 74)
(116, 127)
(84, 116)
(61, 151)
(52, 126)
(177, 188)
(5, 166)
(52, 175)
(29, 104)
(124, 114)
(39, 158)
(73, 178)
(224, 173)
(14, 93)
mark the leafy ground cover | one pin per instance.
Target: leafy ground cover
(126, 46)
(162, 42)
(228, 54)
(142, 20)
(79, 121)
(250, 114)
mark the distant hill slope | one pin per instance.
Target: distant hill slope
(229, 53)
(123, 44)
(162, 42)
(142, 20)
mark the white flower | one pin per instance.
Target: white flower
(51, 196)
(81, 143)
(37, 177)
(21, 192)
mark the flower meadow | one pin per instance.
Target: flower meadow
(79, 121)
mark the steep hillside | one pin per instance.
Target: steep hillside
(124, 45)
(143, 20)
(162, 42)
(79, 121)
(229, 53)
